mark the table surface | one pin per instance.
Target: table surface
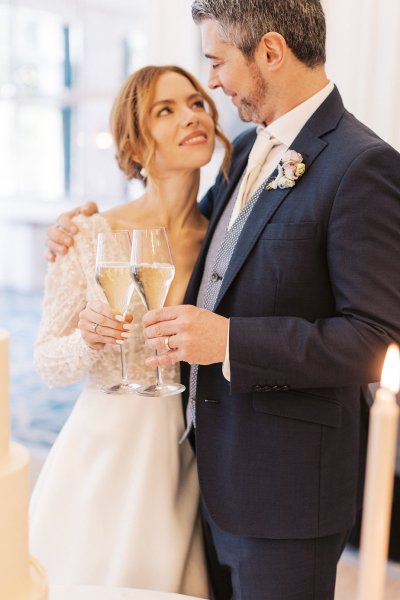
(103, 593)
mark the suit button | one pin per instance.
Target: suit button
(276, 388)
(285, 388)
(256, 388)
(215, 277)
(266, 388)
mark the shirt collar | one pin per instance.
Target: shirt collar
(288, 126)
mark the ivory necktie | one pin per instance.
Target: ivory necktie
(257, 157)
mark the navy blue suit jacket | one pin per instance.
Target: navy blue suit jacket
(313, 297)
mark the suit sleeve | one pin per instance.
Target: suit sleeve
(362, 254)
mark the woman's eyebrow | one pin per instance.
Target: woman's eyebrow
(169, 101)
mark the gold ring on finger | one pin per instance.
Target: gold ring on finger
(94, 327)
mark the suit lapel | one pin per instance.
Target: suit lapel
(310, 145)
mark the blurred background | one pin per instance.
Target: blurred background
(61, 63)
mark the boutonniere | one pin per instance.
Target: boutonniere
(290, 168)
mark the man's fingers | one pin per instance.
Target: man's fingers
(159, 343)
(170, 358)
(160, 330)
(88, 209)
(163, 314)
(58, 236)
(55, 249)
(66, 224)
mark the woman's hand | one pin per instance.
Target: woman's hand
(101, 325)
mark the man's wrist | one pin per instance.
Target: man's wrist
(226, 367)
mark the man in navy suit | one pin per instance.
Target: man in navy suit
(289, 311)
(302, 309)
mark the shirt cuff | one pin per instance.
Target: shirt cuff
(226, 367)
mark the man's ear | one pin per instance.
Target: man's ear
(272, 49)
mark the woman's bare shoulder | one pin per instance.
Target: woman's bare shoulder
(125, 216)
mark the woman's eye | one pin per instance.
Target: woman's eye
(199, 104)
(215, 66)
(164, 111)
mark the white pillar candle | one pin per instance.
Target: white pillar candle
(4, 412)
(378, 490)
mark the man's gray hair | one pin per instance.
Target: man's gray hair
(244, 22)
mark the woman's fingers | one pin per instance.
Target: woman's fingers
(103, 333)
(99, 324)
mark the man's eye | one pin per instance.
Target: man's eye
(216, 65)
(199, 104)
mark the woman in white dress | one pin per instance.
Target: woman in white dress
(116, 503)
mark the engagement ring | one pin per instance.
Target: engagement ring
(94, 327)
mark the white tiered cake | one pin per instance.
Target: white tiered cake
(21, 577)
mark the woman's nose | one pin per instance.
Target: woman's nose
(190, 117)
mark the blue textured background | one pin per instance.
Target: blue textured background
(37, 413)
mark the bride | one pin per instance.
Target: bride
(116, 503)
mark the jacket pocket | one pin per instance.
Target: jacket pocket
(299, 405)
(290, 231)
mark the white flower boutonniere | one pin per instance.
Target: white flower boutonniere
(290, 168)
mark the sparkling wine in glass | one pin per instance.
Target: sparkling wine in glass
(113, 275)
(152, 271)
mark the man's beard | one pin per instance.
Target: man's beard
(250, 108)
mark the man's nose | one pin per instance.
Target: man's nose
(213, 81)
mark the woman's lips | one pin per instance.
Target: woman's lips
(197, 137)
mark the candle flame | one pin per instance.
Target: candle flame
(390, 378)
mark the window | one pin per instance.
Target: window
(36, 103)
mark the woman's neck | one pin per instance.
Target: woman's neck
(173, 200)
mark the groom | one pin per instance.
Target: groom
(290, 308)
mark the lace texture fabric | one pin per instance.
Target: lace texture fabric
(61, 355)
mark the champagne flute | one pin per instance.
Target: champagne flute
(113, 276)
(152, 271)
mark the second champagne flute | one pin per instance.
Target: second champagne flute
(152, 271)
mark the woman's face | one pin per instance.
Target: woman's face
(181, 127)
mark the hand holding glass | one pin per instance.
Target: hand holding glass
(113, 275)
(152, 271)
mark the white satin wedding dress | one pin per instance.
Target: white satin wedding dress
(116, 503)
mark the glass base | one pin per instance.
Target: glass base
(121, 388)
(165, 389)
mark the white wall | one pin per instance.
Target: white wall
(363, 59)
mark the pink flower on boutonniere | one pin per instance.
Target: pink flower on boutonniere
(290, 168)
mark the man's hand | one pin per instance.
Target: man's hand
(195, 335)
(60, 236)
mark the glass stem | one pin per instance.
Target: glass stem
(159, 380)
(124, 377)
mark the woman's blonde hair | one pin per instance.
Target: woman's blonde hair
(130, 122)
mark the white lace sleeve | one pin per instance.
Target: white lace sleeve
(61, 355)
